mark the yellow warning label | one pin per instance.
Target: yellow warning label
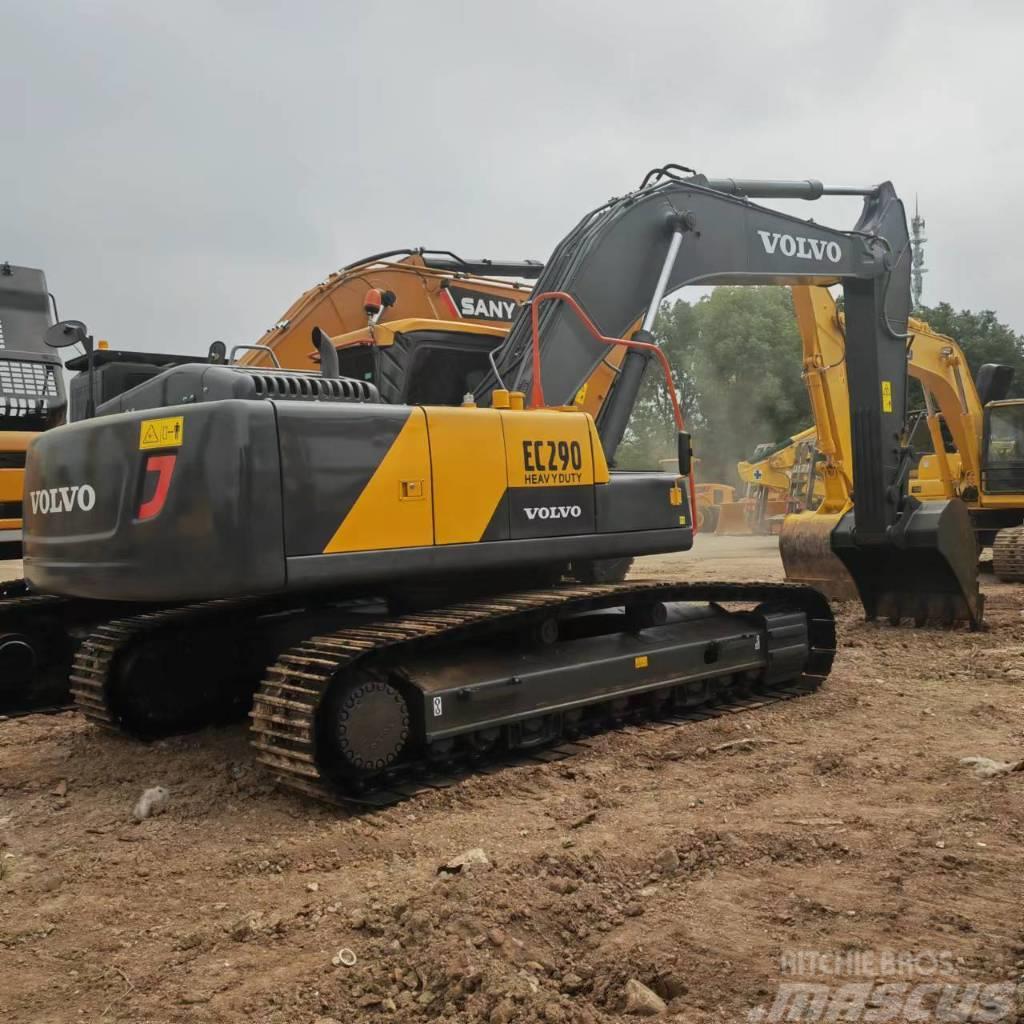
(682, 520)
(581, 396)
(640, 661)
(886, 396)
(166, 433)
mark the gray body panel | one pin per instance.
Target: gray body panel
(219, 532)
(330, 460)
(259, 488)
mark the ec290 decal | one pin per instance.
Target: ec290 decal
(549, 463)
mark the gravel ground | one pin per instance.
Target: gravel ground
(672, 871)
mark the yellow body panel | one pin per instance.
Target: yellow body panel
(17, 440)
(12, 484)
(12, 481)
(396, 508)
(383, 335)
(601, 472)
(448, 470)
(469, 476)
(545, 448)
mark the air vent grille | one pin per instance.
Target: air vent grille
(21, 378)
(309, 388)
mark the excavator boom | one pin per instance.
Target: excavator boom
(906, 559)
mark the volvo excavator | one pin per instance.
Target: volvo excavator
(975, 436)
(383, 568)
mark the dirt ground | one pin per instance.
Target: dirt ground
(679, 857)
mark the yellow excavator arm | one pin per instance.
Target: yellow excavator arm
(951, 401)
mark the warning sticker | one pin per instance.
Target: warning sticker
(166, 433)
(886, 396)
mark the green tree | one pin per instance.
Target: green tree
(736, 357)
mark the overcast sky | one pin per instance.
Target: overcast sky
(182, 171)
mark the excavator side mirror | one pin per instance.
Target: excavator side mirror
(218, 354)
(67, 333)
(329, 366)
(685, 454)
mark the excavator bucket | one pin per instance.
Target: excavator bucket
(733, 520)
(926, 572)
(805, 545)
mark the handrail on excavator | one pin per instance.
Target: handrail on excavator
(537, 386)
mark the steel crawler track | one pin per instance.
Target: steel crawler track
(284, 714)
(94, 659)
(287, 702)
(35, 619)
(1008, 555)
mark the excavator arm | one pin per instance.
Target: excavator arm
(907, 560)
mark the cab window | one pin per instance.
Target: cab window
(1003, 467)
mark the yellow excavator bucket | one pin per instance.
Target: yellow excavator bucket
(733, 520)
(805, 545)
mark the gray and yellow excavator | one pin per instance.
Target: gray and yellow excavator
(379, 566)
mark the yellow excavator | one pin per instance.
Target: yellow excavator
(975, 434)
(779, 479)
(382, 307)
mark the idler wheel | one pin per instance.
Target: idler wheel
(370, 726)
(17, 665)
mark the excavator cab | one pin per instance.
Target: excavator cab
(1002, 467)
(419, 361)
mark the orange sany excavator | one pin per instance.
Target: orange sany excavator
(424, 284)
(379, 304)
